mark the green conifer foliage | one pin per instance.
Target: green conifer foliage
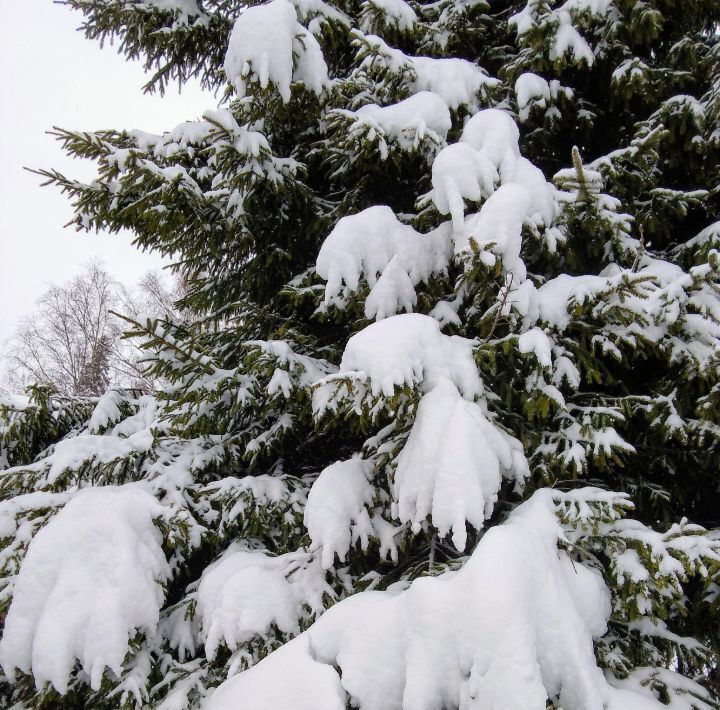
(452, 369)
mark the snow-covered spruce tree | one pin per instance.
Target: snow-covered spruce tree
(450, 392)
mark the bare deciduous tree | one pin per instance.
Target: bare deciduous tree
(74, 342)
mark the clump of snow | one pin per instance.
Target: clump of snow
(74, 452)
(246, 592)
(90, 580)
(336, 514)
(268, 44)
(459, 172)
(569, 41)
(395, 13)
(457, 82)
(531, 90)
(488, 154)
(421, 117)
(514, 627)
(316, 14)
(551, 303)
(410, 349)
(537, 342)
(499, 223)
(106, 411)
(293, 681)
(391, 256)
(495, 135)
(452, 465)
(531, 87)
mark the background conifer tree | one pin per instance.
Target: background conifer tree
(449, 371)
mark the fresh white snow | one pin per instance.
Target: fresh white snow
(513, 627)
(268, 44)
(90, 580)
(336, 514)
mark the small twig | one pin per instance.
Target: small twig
(640, 253)
(500, 308)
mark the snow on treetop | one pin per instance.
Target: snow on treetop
(456, 640)
(410, 349)
(268, 44)
(89, 581)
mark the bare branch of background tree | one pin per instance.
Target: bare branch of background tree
(74, 343)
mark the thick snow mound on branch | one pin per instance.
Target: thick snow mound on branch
(452, 465)
(457, 82)
(499, 223)
(246, 592)
(293, 681)
(396, 13)
(531, 89)
(262, 44)
(90, 579)
(494, 133)
(392, 258)
(73, 453)
(410, 121)
(514, 627)
(459, 172)
(410, 349)
(336, 514)
(486, 164)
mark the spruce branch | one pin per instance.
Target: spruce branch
(640, 252)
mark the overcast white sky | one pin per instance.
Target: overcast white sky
(51, 75)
